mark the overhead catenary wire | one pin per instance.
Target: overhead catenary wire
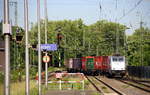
(132, 9)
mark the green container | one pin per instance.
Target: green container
(90, 63)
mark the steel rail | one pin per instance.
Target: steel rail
(98, 89)
(146, 90)
(114, 89)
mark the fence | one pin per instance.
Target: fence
(60, 80)
(139, 71)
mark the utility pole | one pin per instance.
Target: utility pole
(39, 47)
(15, 3)
(89, 48)
(100, 17)
(141, 42)
(100, 10)
(97, 50)
(26, 46)
(117, 32)
(46, 64)
(83, 38)
(7, 33)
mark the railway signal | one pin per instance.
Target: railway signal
(59, 38)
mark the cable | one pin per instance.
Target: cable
(136, 5)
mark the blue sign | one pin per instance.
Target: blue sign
(49, 47)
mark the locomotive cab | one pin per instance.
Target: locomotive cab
(117, 65)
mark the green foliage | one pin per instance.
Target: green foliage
(79, 40)
(1, 77)
(82, 40)
(139, 48)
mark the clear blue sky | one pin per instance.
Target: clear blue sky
(88, 10)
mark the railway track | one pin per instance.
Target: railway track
(138, 82)
(104, 83)
(95, 86)
(111, 87)
(135, 84)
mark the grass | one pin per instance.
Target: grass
(65, 86)
(96, 93)
(125, 86)
(1, 89)
(51, 69)
(18, 88)
(103, 87)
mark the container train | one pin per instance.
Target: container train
(106, 65)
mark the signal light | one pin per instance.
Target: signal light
(19, 38)
(59, 36)
(34, 46)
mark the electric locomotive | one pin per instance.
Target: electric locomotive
(116, 66)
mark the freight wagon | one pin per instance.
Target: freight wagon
(94, 65)
(89, 65)
(102, 62)
(74, 65)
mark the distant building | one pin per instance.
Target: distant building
(2, 55)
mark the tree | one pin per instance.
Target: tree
(138, 47)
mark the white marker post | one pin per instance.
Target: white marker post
(39, 47)
(46, 64)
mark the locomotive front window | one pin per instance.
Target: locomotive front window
(120, 59)
(114, 59)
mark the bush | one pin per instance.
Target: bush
(1, 77)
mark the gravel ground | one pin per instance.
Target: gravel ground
(128, 90)
(145, 83)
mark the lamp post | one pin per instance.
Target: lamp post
(26, 45)
(7, 33)
(39, 47)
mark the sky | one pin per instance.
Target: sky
(87, 10)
